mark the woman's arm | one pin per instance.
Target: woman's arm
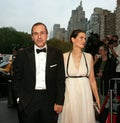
(93, 84)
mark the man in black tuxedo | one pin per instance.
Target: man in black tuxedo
(39, 79)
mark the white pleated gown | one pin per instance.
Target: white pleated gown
(78, 104)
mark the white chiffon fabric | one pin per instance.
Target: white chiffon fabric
(78, 104)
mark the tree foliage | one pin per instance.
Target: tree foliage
(10, 38)
(64, 46)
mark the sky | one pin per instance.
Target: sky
(22, 14)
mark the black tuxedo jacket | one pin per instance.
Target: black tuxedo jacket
(24, 76)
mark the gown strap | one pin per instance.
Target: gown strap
(68, 76)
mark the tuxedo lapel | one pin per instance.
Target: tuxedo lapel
(31, 58)
(48, 59)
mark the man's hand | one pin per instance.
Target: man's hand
(58, 108)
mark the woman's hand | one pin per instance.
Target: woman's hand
(98, 103)
(58, 108)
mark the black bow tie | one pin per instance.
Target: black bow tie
(41, 50)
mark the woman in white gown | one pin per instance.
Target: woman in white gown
(80, 83)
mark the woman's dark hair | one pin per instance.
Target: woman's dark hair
(75, 33)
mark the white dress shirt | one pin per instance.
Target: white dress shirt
(40, 62)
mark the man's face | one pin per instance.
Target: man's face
(39, 35)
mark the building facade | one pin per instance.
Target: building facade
(118, 18)
(108, 22)
(102, 22)
(56, 28)
(77, 20)
(93, 25)
(59, 33)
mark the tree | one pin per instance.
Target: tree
(10, 38)
(64, 46)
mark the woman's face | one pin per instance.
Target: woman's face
(80, 40)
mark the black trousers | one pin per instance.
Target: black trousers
(39, 110)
